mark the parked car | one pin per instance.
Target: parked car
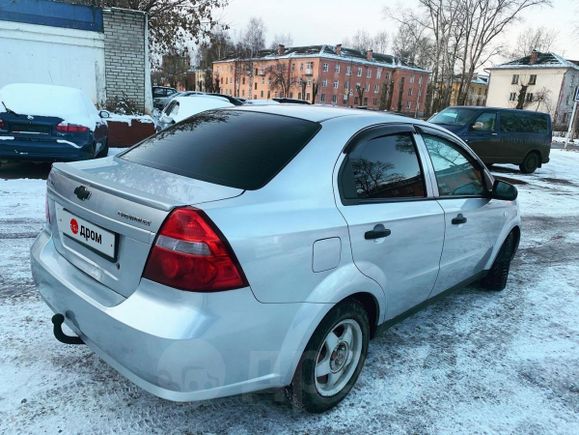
(260, 102)
(162, 95)
(181, 108)
(290, 100)
(236, 101)
(50, 123)
(201, 264)
(514, 136)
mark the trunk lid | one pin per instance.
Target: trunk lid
(30, 127)
(124, 204)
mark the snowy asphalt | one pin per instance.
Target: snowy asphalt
(473, 362)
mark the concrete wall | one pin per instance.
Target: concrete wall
(126, 57)
(32, 53)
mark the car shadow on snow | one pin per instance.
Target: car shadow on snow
(15, 170)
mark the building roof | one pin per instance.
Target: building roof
(542, 60)
(329, 52)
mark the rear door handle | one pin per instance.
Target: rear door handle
(378, 232)
(460, 219)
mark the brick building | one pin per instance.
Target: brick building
(103, 52)
(325, 74)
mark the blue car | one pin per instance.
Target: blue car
(521, 137)
(50, 123)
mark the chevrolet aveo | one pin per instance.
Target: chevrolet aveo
(260, 247)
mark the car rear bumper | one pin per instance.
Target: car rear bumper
(12, 148)
(178, 345)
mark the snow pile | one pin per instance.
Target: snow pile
(70, 104)
(128, 119)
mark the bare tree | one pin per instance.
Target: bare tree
(283, 39)
(361, 40)
(280, 78)
(251, 41)
(539, 38)
(381, 42)
(173, 24)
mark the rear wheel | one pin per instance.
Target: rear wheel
(332, 360)
(531, 163)
(498, 275)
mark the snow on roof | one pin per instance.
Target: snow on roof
(330, 52)
(542, 60)
(70, 104)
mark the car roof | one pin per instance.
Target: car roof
(316, 113)
(501, 109)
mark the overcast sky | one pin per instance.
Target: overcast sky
(331, 21)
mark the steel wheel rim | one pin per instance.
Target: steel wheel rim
(338, 357)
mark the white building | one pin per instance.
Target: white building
(543, 82)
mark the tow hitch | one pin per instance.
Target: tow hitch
(57, 321)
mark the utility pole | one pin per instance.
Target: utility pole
(572, 120)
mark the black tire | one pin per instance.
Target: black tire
(531, 163)
(497, 277)
(105, 151)
(303, 392)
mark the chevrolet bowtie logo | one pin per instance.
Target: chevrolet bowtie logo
(82, 193)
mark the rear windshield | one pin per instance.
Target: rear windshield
(454, 116)
(228, 147)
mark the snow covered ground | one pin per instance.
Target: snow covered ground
(474, 362)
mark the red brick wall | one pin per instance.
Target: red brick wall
(408, 88)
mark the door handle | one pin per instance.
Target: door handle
(459, 219)
(378, 232)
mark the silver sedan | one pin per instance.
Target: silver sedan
(261, 247)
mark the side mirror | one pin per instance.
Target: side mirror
(104, 114)
(504, 191)
(478, 126)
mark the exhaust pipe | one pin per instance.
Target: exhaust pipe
(57, 321)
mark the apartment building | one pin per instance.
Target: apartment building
(544, 82)
(326, 74)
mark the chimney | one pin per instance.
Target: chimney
(339, 49)
(369, 54)
(280, 49)
(534, 56)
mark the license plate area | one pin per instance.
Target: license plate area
(89, 235)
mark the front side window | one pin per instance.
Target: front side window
(455, 173)
(383, 167)
(515, 80)
(485, 122)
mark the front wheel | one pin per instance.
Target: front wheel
(531, 163)
(332, 360)
(104, 151)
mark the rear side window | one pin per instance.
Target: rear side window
(384, 167)
(524, 122)
(232, 148)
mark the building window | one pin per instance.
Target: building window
(324, 83)
(529, 97)
(334, 99)
(411, 79)
(308, 96)
(378, 73)
(369, 73)
(348, 70)
(336, 84)
(325, 67)
(375, 101)
(515, 80)
(301, 66)
(243, 80)
(255, 86)
(365, 101)
(293, 66)
(309, 83)
(323, 98)
(513, 96)
(337, 67)
(299, 95)
(367, 87)
(533, 79)
(359, 71)
(347, 84)
(261, 94)
(376, 88)
(410, 92)
(409, 105)
(420, 80)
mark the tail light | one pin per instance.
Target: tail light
(65, 127)
(191, 254)
(1, 124)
